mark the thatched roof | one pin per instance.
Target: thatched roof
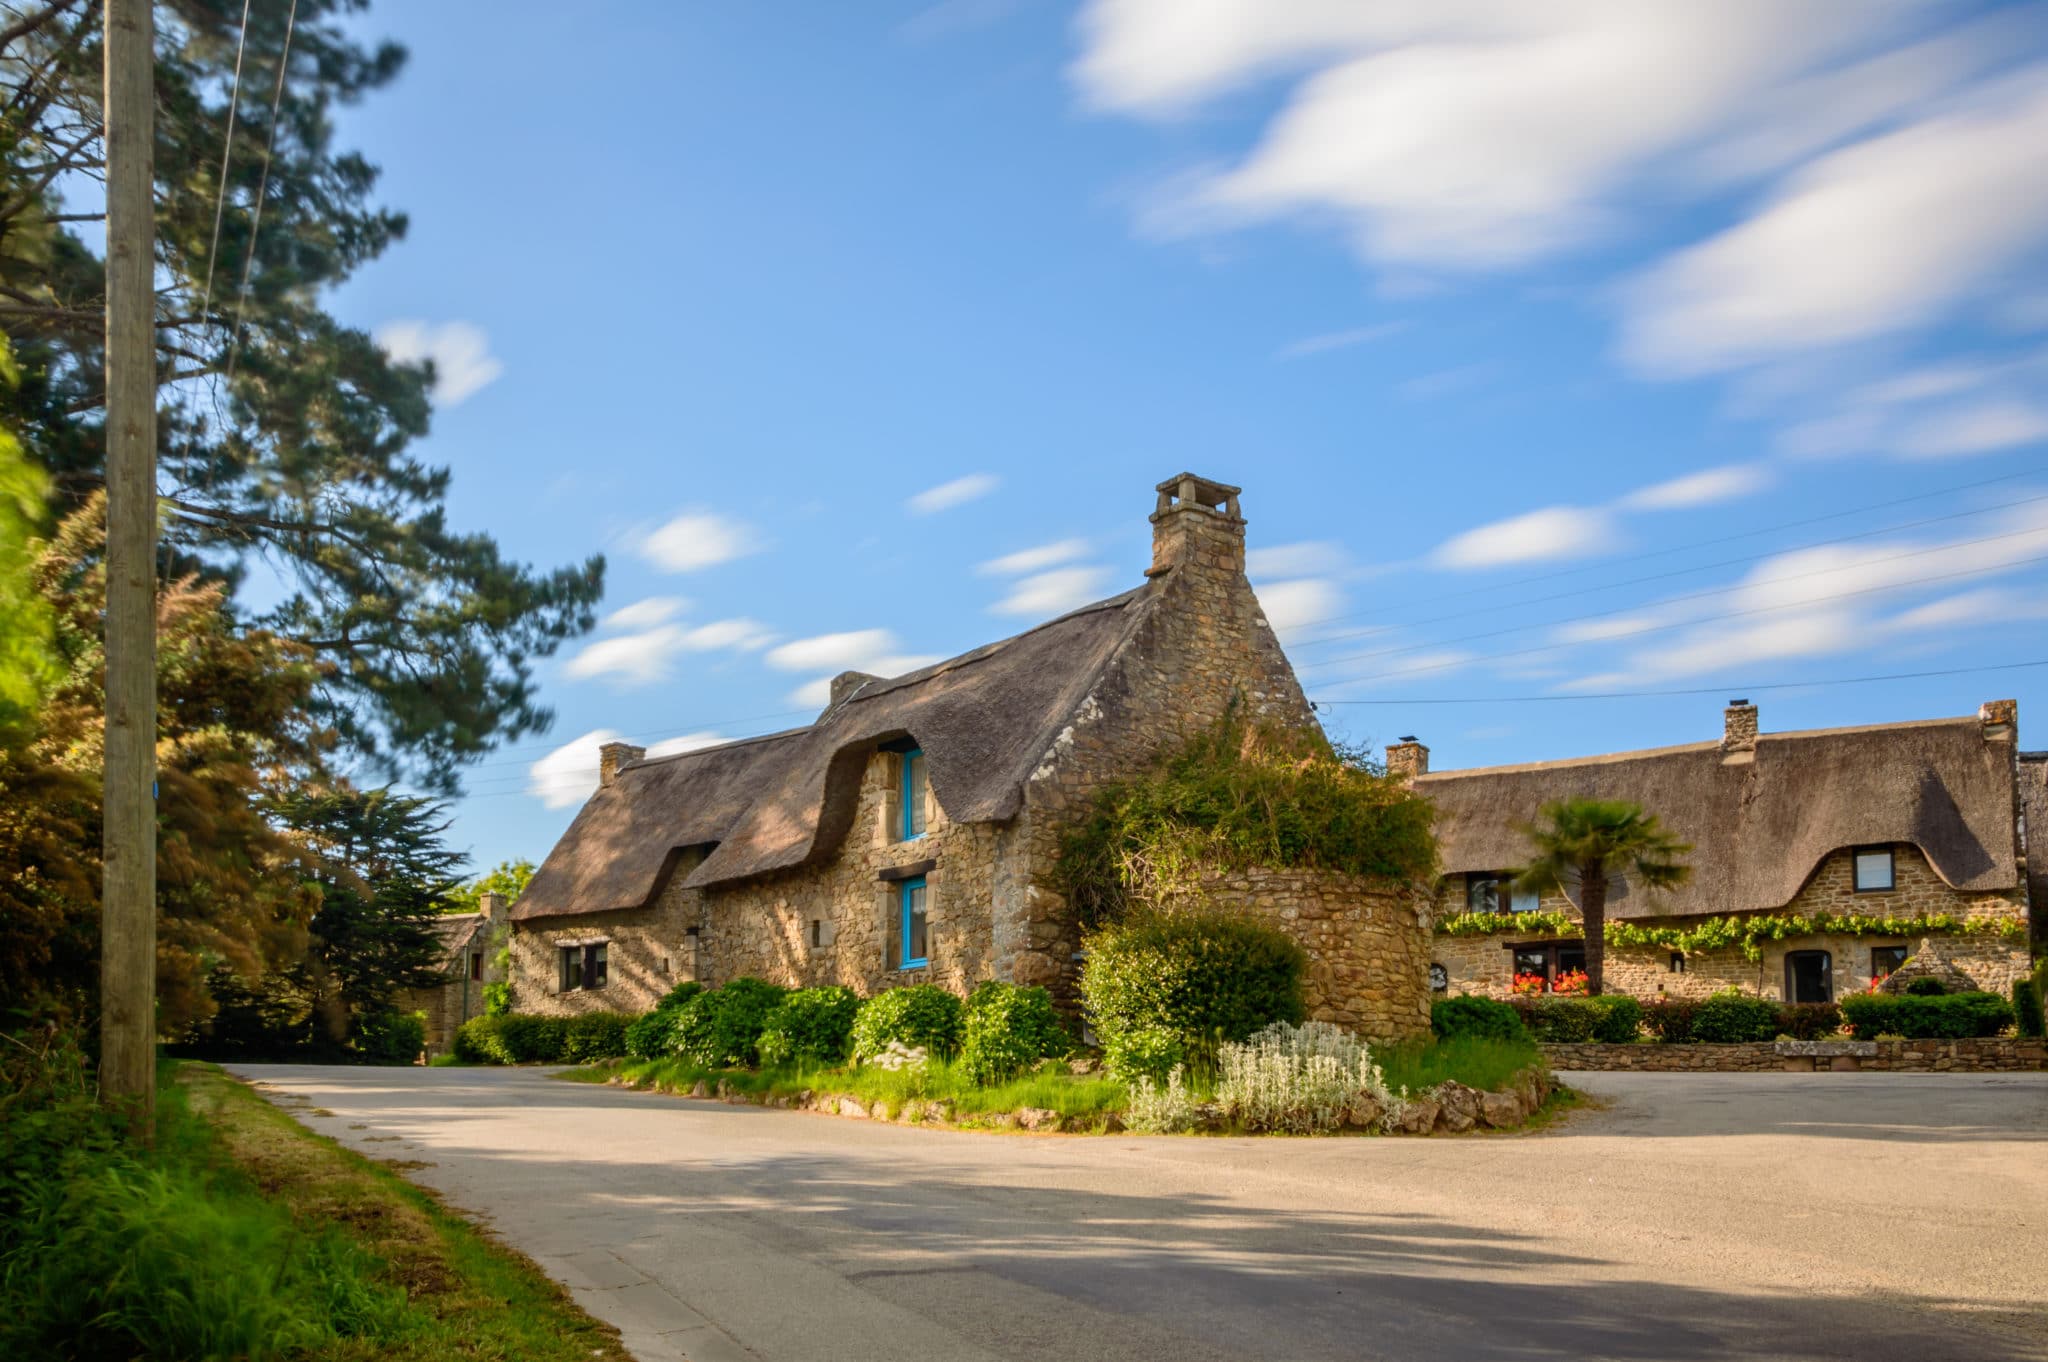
(984, 721)
(1760, 827)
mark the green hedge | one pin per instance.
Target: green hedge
(722, 1028)
(1732, 1018)
(390, 1037)
(1951, 1016)
(2026, 1008)
(1808, 1021)
(1168, 988)
(919, 1015)
(1670, 1019)
(1611, 1018)
(517, 1038)
(1472, 1015)
(813, 1024)
(1009, 1029)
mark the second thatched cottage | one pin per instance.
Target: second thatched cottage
(909, 834)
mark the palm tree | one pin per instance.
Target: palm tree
(1584, 842)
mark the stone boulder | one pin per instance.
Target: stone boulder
(1459, 1106)
(1364, 1111)
(1418, 1116)
(1503, 1110)
(853, 1106)
(701, 1090)
(900, 1056)
(1038, 1118)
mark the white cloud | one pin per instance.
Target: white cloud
(1978, 428)
(958, 492)
(1338, 340)
(837, 652)
(1294, 607)
(685, 742)
(1035, 559)
(648, 655)
(1705, 488)
(644, 613)
(568, 774)
(1550, 534)
(1885, 235)
(951, 18)
(1046, 594)
(460, 352)
(696, 539)
(1311, 558)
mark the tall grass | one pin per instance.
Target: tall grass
(1477, 1062)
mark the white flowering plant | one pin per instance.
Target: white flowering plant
(1302, 1079)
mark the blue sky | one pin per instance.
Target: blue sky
(1584, 349)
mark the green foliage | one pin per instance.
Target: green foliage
(1608, 1018)
(1581, 843)
(1146, 1054)
(107, 1251)
(1926, 986)
(390, 1037)
(1233, 799)
(1480, 1062)
(2026, 1008)
(589, 1036)
(28, 654)
(1671, 1019)
(1730, 1018)
(1202, 978)
(1752, 931)
(507, 879)
(517, 1038)
(722, 1027)
(812, 1024)
(1524, 924)
(679, 995)
(919, 1015)
(654, 1034)
(1008, 1030)
(1808, 1021)
(1472, 1015)
(1952, 1016)
(497, 998)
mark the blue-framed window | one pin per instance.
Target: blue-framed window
(911, 816)
(913, 931)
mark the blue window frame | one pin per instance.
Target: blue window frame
(911, 820)
(913, 931)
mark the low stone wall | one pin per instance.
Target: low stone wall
(1897, 1056)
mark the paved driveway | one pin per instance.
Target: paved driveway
(1864, 1216)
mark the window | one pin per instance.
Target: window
(476, 964)
(913, 930)
(1482, 892)
(1886, 960)
(584, 966)
(912, 813)
(1678, 962)
(1523, 901)
(1874, 870)
(1537, 965)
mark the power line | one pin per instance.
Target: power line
(1694, 596)
(227, 149)
(1690, 690)
(284, 60)
(1663, 576)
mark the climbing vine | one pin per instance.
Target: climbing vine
(1747, 934)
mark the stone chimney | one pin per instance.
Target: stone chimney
(2001, 720)
(1196, 527)
(844, 685)
(492, 906)
(1738, 731)
(1407, 758)
(611, 757)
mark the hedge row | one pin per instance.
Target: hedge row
(1725, 1018)
(516, 1038)
(1954, 1016)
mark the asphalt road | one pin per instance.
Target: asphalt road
(1795, 1216)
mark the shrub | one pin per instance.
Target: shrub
(647, 1035)
(2026, 1008)
(390, 1037)
(1472, 1015)
(1807, 1021)
(1007, 1030)
(1298, 1078)
(679, 995)
(532, 1040)
(595, 1035)
(1926, 986)
(810, 1024)
(722, 1028)
(1670, 1019)
(1730, 1018)
(1621, 1018)
(1142, 1054)
(1206, 978)
(1611, 1017)
(919, 1015)
(1166, 1108)
(1952, 1016)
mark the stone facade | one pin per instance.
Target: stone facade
(472, 943)
(1201, 650)
(1990, 959)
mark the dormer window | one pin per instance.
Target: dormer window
(1875, 872)
(910, 818)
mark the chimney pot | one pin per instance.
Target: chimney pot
(1407, 759)
(1196, 524)
(611, 757)
(2001, 720)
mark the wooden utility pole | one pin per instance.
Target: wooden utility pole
(128, 883)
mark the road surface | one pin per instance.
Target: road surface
(1781, 1216)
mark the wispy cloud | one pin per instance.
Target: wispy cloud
(1707, 487)
(645, 656)
(459, 351)
(568, 775)
(1338, 340)
(685, 742)
(874, 651)
(695, 539)
(1294, 607)
(1444, 382)
(1044, 595)
(1035, 559)
(644, 613)
(1551, 534)
(1307, 559)
(958, 492)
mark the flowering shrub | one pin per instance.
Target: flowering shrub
(1300, 1078)
(1161, 1108)
(1527, 985)
(1571, 981)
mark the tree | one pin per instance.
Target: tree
(284, 437)
(507, 879)
(1583, 844)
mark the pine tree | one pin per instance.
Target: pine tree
(285, 437)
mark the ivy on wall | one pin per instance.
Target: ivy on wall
(1746, 933)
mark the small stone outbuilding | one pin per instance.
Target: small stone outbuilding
(1894, 826)
(470, 944)
(909, 834)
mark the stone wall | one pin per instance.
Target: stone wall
(1987, 959)
(458, 999)
(1896, 1056)
(1368, 947)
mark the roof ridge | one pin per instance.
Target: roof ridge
(1632, 754)
(882, 685)
(717, 747)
